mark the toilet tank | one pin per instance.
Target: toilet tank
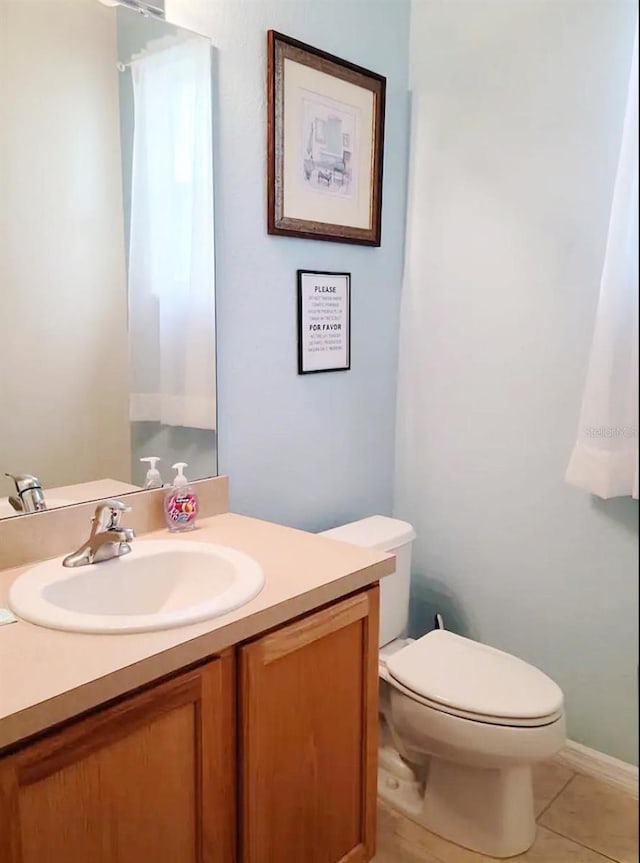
(395, 537)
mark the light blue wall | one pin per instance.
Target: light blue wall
(505, 549)
(309, 451)
(518, 116)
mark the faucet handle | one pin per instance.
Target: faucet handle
(24, 481)
(30, 497)
(108, 513)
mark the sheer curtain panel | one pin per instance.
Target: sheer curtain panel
(605, 458)
(171, 258)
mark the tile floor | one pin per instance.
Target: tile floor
(580, 820)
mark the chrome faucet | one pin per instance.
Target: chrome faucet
(29, 496)
(107, 539)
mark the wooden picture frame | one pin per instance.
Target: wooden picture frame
(325, 143)
(324, 322)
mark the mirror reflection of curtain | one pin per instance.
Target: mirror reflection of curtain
(171, 259)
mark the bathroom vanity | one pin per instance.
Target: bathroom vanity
(248, 738)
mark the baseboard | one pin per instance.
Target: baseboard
(603, 767)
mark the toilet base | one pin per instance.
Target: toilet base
(397, 783)
(489, 811)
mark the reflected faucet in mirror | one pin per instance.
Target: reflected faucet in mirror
(29, 496)
(107, 539)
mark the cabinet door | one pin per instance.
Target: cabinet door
(309, 715)
(149, 779)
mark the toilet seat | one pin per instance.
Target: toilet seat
(470, 680)
(485, 719)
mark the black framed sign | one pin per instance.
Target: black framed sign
(324, 322)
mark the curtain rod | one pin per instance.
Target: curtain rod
(156, 9)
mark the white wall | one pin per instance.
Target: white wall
(517, 111)
(63, 314)
(313, 450)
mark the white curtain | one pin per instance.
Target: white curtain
(171, 263)
(605, 458)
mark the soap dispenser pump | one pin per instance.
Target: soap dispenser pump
(153, 478)
(180, 502)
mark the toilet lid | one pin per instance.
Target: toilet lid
(468, 676)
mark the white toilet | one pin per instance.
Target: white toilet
(461, 723)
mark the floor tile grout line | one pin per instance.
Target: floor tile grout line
(581, 844)
(600, 856)
(554, 798)
(431, 857)
(434, 857)
(431, 854)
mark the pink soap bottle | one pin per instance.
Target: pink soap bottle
(180, 502)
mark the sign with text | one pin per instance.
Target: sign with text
(324, 312)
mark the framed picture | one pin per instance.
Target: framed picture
(325, 145)
(324, 322)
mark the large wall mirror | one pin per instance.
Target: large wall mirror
(107, 312)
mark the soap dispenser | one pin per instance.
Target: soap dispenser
(153, 478)
(180, 502)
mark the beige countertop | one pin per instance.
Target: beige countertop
(48, 676)
(93, 490)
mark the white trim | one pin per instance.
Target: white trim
(603, 767)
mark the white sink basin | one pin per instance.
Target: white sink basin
(158, 585)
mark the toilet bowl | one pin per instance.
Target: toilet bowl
(470, 721)
(462, 723)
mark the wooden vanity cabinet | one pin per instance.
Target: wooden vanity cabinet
(308, 737)
(153, 777)
(149, 779)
